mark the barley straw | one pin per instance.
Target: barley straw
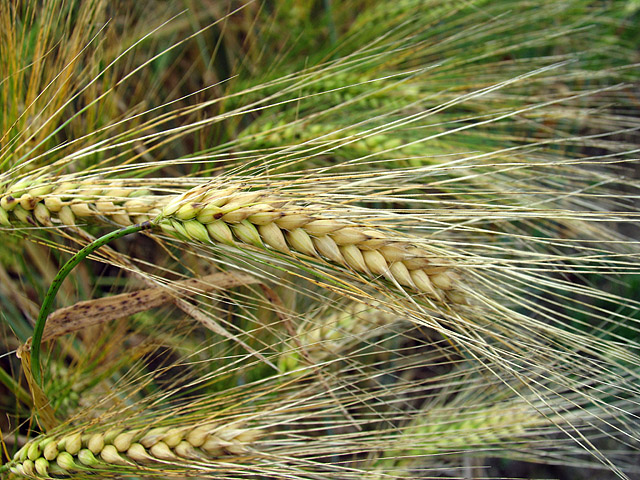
(236, 216)
(63, 454)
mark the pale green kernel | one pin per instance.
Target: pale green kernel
(301, 242)
(66, 216)
(247, 233)
(8, 202)
(123, 441)
(187, 211)
(197, 230)
(265, 218)
(21, 454)
(29, 467)
(138, 453)
(34, 450)
(110, 455)
(95, 443)
(173, 437)
(4, 218)
(65, 461)
(209, 213)
(162, 451)
(23, 215)
(73, 443)
(87, 458)
(392, 143)
(179, 228)
(21, 185)
(54, 204)
(66, 187)
(185, 450)
(42, 466)
(172, 207)
(118, 193)
(143, 192)
(168, 228)
(198, 435)
(50, 450)
(28, 202)
(220, 232)
(42, 214)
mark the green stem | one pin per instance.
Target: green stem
(47, 304)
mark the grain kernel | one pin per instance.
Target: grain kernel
(50, 450)
(195, 229)
(442, 280)
(209, 213)
(138, 453)
(247, 233)
(375, 262)
(173, 437)
(66, 216)
(73, 443)
(322, 227)
(353, 257)
(42, 466)
(42, 214)
(273, 237)
(198, 435)
(4, 218)
(33, 451)
(220, 232)
(87, 458)
(328, 248)
(53, 203)
(96, 443)
(65, 461)
(162, 451)
(110, 455)
(301, 242)
(124, 440)
(293, 221)
(349, 236)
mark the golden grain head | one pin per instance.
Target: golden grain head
(134, 447)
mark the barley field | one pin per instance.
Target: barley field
(287, 239)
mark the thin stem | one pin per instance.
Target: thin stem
(47, 304)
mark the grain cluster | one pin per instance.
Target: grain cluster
(48, 454)
(238, 217)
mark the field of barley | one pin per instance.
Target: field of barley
(316, 240)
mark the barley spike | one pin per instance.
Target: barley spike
(130, 447)
(231, 216)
